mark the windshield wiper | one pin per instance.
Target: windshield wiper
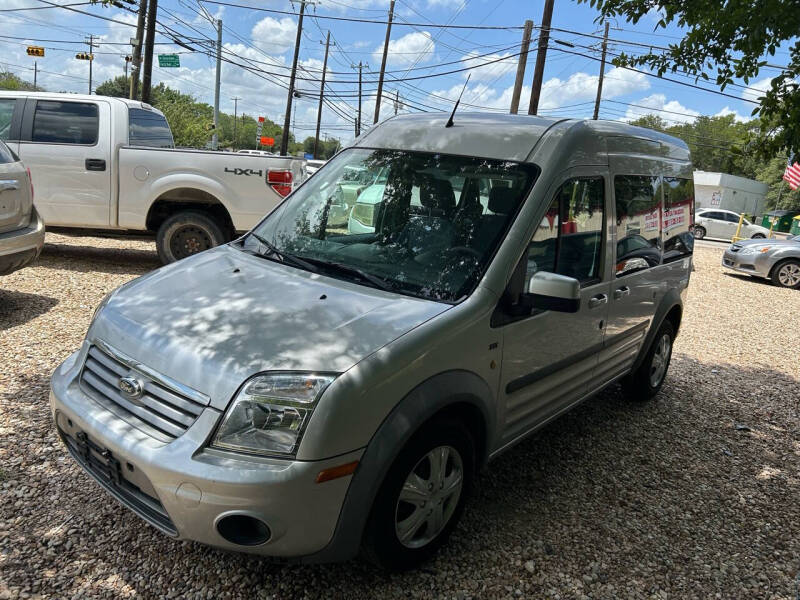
(283, 256)
(374, 280)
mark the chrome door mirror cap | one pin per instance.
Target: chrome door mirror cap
(550, 291)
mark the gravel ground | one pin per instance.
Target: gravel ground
(694, 495)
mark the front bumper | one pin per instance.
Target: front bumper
(185, 489)
(22, 246)
(757, 264)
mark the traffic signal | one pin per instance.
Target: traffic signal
(84, 56)
(128, 58)
(35, 51)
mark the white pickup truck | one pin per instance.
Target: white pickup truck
(101, 163)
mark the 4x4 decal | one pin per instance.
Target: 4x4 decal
(248, 172)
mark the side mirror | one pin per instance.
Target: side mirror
(550, 291)
(631, 264)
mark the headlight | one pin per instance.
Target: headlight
(269, 414)
(755, 250)
(745, 251)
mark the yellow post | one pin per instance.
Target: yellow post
(736, 237)
(771, 227)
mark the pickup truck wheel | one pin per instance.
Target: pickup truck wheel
(186, 233)
(646, 381)
(422, 496)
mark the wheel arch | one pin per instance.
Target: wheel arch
(781, 262)
(179, 198)
(671, 307)
(457, 394)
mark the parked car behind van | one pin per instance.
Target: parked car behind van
(21, 227)
(722, 224)
(313, 391)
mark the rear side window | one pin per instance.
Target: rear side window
(57, 122)
(638, 204)
(569, 240)
(677, 218)
(148, 128)
(6, 114)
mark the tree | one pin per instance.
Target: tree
(117, 87)
(731, 37)
(9, 81)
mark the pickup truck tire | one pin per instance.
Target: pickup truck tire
(186, 233)
(398, 535)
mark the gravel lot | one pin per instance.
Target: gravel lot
(694, 495)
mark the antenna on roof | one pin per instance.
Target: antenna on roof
(452, 114)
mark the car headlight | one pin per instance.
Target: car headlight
(270, 413)
(755, 250)
(745, 251)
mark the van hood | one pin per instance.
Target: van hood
(214, 320)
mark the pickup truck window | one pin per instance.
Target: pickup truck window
(407, 228)
(6, 113)
(148, 128)
(57, 122)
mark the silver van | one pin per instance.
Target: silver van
(307, 391)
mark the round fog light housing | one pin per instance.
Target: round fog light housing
(243, 530)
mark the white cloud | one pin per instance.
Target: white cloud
(673, 111)
(274, 36)
(491, 71)
(404, 51)
(737, 117)
(758, 89)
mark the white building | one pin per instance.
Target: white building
(729, 192)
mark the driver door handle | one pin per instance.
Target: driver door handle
(7, 185)
(622, 292)
(598, 300)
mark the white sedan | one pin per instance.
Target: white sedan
(722, 224)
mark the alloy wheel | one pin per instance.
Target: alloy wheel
(429, 497)
(658, 366)
(789, 275)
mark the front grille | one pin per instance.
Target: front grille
(164, 410)
(107, 471)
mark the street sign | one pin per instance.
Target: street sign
(308, 156)
(267, 141)
(169, 60)
(35, 51)
(259, 127)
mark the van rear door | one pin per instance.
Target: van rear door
(67, 146)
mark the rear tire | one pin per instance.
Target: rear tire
(699, 232)
(187, 233)
(416, 509)
(787, 274)
(646, 381)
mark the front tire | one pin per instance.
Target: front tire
(422, 497)
(187, 233)
(646, 381)
(699, 232)
(787, 274)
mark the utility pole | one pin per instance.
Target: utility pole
(235, 107)
(541, 55)
(92, 46)
(215, 137)
(383, 62)
(396, 101)
(523, 61)
(321, 92)
(288, 115)
(127, 60)
(137, 51)
(35, 73)
(152, 11)
(359, 66)
(602, 73)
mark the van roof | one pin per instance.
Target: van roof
(65, 96)
(515, 137)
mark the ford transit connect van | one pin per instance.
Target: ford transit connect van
(310, 390)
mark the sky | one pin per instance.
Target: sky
(264, 43)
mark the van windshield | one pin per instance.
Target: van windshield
(415, 223)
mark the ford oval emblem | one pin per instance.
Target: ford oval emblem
(130, 386)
